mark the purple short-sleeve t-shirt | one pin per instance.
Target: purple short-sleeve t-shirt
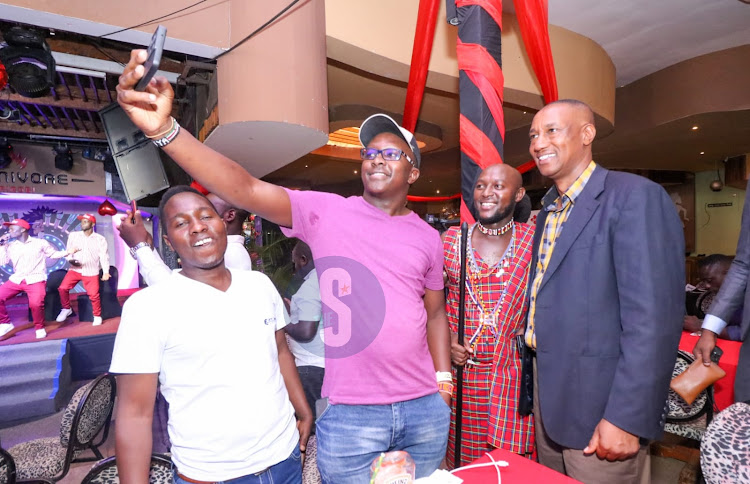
(373, 270)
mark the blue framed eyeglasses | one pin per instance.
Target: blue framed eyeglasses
(388, 154)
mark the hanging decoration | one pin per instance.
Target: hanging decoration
(106, 208)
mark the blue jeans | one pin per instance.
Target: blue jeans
(350, 437)
(288, 471)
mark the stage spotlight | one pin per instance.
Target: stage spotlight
(102, 154)
(5, 149)
(63, 157)
(8, 114)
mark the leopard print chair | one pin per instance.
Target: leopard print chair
(310, 472)
(7, 468)
(725, 449)
(105, 472)
(683, 419)
(87, 415)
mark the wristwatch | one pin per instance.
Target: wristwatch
(137, 246)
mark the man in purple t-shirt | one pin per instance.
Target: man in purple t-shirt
(380, 271)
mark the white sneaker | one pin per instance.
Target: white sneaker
(41, 333)
(6, 328)
(97, 321)
(64, 313)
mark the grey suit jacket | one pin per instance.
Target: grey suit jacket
(733, 293)
(609, 310)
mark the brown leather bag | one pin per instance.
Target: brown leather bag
(696, 378)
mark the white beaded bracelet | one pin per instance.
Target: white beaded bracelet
(443, 376)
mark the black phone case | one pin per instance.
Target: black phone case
(155, 49)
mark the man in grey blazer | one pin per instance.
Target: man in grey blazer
(734, 292)
(606, 305)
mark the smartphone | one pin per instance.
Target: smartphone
(155, 49)
(716, 354)
(133, 208)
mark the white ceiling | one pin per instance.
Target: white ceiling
(645, 36)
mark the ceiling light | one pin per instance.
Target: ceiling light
(355, 172)
(102, 154)
(305, 166)
(703, 152)
(63, 157)
(695, 128)
(9, 114)
(437, 191)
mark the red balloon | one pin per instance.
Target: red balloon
(106, 208)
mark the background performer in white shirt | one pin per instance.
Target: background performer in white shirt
(91, 254)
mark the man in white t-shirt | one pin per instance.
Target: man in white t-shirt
(305, 331)
(150, 265)
(211, 336)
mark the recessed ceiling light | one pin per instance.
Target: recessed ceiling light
(355, 172)
(703, 152)
(437, 191)
(305, 166)
(695, 128)
(524, 112)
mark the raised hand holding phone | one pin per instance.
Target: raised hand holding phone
(155, 49)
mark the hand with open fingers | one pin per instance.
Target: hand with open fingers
(150, 109)
(612, 443)
(705, 345)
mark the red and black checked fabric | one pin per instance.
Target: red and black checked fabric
(489, 417)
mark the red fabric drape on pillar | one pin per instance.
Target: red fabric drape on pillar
(420, 61)
(533, 21)
(534, 25)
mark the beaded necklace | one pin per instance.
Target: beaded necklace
(499, 231)
(487, 318)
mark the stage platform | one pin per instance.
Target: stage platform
(37, 375)
(91, 346)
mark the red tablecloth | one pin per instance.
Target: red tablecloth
(520, 470)
(724, 388)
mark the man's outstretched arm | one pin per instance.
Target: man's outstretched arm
(150, 111)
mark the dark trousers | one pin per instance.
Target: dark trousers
(312, 382)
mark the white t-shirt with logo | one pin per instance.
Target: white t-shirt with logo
(216, 355)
